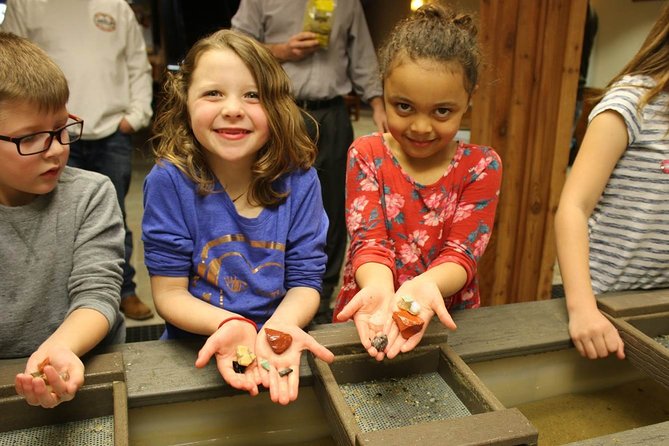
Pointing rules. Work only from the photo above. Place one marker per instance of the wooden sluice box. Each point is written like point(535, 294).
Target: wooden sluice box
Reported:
point(642, 319)
point(634, 303)
point(97, 416)
point(646, 339)
point(427, 396)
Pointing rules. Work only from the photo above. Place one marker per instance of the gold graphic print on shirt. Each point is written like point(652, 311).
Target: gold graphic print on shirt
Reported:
point(210, 268)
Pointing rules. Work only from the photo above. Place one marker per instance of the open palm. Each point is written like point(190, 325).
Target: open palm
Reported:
point(370, 311)
point(223, 344)
point(431, 302)
point(284, 389)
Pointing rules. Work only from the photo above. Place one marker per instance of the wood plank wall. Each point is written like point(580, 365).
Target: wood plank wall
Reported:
point(524, 108)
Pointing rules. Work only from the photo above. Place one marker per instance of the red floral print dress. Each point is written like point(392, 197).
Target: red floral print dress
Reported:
point(410, 227)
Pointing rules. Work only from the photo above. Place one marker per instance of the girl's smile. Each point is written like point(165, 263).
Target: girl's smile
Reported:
point(420, 143)
point(233, 134)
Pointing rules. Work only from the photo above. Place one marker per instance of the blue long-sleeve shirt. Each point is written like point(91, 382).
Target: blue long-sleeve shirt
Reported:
point(244, 265)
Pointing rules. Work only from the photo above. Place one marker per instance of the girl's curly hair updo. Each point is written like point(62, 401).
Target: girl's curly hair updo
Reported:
point(436, 33)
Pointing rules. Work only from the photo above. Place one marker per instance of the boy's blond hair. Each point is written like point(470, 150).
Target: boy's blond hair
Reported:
point(28, 75)
point(288, 148)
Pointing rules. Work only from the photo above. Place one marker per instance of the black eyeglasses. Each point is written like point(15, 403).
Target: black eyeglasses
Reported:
point(41, 141)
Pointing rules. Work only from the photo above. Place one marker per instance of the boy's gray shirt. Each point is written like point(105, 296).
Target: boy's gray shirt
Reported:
point(61, 252)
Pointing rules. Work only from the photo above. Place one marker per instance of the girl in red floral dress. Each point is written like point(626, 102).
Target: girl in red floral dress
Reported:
point(420, 204)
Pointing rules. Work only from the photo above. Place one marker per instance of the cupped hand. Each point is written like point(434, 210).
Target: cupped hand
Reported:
point(223, 344)
point(64, 373)
point(284, 389)
point(370, 310)
point(431, 302)
point(594, 335)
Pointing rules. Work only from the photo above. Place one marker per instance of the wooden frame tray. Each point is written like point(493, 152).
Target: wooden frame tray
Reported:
point(634, 303)
point(103, 395)
point(647, 354)
point(344, 390)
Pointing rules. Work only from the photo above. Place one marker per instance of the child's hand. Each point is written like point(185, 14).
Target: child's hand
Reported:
point(370, 310)
point(63, 371)
point(594, 335)
point(284, 389)
point(429, 297)
point(223, 343)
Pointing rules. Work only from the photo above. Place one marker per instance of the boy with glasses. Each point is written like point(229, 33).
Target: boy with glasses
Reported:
point(62, 233)
point(99, 46)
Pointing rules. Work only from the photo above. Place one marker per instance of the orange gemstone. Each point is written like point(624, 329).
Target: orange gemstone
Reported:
point(408, 323)
point(278, 340)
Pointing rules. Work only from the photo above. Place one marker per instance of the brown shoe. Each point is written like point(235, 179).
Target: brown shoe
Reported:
point(134, 308)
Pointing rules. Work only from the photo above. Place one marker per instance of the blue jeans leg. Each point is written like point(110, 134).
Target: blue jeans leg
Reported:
point(111, 156)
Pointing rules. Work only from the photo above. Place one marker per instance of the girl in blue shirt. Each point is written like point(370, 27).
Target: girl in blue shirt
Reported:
point(234, 228)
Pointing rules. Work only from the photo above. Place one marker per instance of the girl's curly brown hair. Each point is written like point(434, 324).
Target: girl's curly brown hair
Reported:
point(288, 148)
point(437, 33)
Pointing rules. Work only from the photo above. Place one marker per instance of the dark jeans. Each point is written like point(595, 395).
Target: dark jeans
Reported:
point(335, 137)
point(111, 156)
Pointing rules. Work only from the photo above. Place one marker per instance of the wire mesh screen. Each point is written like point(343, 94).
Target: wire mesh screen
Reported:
point(662, 339)
point(90, 432)
point(398, 402)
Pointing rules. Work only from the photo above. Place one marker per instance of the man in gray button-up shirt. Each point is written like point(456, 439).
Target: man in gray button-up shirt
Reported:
point(321, 77)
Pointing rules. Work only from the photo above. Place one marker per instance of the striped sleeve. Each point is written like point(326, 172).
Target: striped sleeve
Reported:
point(629, 227)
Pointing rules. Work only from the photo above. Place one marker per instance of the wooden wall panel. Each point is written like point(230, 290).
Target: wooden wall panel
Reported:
point(524, 109)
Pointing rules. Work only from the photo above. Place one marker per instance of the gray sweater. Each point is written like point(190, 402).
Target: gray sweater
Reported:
point(61, 252)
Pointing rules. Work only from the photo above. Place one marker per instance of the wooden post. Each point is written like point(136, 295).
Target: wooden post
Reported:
point(524, 108)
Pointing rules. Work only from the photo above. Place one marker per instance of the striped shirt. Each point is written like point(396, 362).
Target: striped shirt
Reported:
point(629, 227)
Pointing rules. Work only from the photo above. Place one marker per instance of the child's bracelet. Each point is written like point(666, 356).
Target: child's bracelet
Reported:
point(238, 318)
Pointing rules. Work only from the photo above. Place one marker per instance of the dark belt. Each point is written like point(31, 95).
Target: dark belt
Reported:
point(316, 104)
